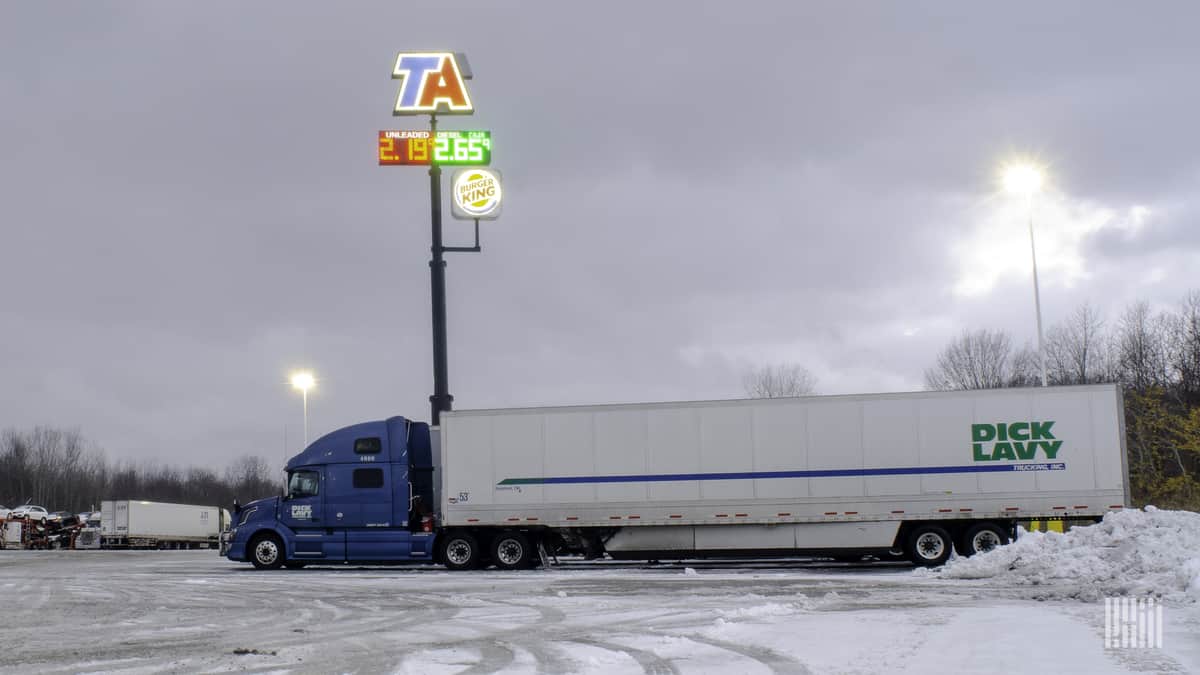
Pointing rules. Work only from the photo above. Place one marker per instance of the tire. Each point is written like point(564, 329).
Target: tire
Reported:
point(266, 552)
point(511, 551)
point(928, 546)
point(981, 538)
point(460, 551)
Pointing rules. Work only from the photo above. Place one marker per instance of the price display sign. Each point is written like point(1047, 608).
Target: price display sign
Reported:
point(448, 148)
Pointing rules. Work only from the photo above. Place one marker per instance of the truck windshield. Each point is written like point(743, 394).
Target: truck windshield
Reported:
point(302, 484)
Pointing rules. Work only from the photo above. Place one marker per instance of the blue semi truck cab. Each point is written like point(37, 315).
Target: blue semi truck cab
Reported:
point(363, 493)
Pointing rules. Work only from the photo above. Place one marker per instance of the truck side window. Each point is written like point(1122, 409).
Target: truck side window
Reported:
point(368, 446)
point(368, 478)
point(303, 484)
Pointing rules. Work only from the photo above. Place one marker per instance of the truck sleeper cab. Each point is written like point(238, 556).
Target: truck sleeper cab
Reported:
point(358, 494)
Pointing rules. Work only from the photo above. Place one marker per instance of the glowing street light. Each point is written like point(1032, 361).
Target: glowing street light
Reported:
point(1026, 179)
point(304, 380)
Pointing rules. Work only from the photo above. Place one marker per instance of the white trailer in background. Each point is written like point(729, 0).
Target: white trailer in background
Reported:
point(142, 524)
point(910, 474)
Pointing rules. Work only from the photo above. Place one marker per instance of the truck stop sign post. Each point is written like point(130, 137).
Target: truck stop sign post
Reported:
point(434, 83)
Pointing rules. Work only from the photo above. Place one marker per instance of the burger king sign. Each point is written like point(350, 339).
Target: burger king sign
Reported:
point(476, 194)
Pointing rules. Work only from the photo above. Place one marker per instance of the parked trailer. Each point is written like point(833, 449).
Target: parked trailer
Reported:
point(141, 524)
point(913, 475)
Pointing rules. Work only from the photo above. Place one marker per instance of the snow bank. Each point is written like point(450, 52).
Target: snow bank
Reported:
point(1148, 552)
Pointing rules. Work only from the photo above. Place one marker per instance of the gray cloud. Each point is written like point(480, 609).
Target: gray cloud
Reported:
point(191, 205)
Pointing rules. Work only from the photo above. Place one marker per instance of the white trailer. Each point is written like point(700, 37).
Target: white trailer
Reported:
point(141, 524)
point(910, 474)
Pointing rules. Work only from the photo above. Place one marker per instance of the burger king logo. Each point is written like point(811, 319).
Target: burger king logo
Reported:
point(477, 194)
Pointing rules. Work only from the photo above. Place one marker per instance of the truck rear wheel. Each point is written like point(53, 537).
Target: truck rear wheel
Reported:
point(460, 551)
point(266, 552)
point(981, 538)
point(929, 546)
point(511, 551)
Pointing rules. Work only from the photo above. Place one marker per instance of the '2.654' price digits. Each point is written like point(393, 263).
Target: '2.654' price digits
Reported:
point(471, 148)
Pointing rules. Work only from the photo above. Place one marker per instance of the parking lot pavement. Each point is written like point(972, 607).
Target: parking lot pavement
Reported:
point(188, 611)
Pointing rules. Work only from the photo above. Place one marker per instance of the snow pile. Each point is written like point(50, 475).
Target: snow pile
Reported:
point(1148, 552)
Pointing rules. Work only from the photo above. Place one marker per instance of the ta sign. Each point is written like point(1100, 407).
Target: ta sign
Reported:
point(432, 82)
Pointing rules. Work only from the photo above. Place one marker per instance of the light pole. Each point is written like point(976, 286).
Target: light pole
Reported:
point(304, 381)
point(1025, 179)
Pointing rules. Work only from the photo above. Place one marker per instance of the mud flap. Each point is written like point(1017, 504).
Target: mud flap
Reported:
point(545, 559)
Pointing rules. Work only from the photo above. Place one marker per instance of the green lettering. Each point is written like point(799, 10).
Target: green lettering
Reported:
point(1003, 451)
point(1002, 432)
point(1025, 450)
point(1051, 448)
point(982, 433)
point(979, 456)
point(1041, 431)
point(1019, 431)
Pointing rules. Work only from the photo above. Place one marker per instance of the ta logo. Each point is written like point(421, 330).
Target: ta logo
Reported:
point(432, 82)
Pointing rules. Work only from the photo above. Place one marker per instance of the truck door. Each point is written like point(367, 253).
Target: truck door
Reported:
point(366, 508)
point(302, 511)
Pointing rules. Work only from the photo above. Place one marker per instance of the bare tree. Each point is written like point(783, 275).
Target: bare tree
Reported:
point(1077, 350)
point(250, 478)
point(1185, 349)
point(1140, 344)
point(779, 381)
point(1025, 369)
point(981, 359)
point(58, 469)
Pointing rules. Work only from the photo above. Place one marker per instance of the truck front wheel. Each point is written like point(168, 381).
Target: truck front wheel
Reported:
point(511, 551)
point(929, 546)
point(266, 552)
point(460, 551)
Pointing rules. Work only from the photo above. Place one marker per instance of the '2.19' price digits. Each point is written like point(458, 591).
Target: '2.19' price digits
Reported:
point(471, 148)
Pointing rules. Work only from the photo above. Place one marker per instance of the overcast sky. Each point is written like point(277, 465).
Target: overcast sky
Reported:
point(190, 204)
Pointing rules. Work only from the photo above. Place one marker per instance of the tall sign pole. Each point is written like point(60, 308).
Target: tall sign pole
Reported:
point(441, 398)
point(434, 83)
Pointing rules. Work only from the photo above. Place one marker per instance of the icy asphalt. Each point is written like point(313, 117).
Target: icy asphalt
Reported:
point(191, 611)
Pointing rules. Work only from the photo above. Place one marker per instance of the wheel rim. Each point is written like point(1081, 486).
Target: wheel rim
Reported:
point(930, 546)
point(458, 552)
point(266, 552)
point(509, 552)
point(985, 541)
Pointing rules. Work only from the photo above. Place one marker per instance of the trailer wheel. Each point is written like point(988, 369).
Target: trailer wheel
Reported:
point(460, 551)
point(511, 551)
point(981, 538)
point(929, 546)
point(266, 552)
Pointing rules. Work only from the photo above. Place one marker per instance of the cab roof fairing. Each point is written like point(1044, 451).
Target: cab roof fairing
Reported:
point(337, 447)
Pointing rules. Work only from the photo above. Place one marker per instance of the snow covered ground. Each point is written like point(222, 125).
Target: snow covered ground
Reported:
point(145, 612)
point(1136, 553)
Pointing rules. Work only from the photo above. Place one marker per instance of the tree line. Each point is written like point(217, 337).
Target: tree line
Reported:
point(60, 470)
point(1155, 356)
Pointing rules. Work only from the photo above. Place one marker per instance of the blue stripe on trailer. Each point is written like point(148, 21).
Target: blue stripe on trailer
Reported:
point(815, 473)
